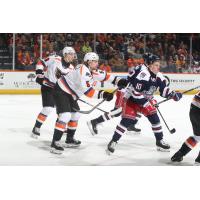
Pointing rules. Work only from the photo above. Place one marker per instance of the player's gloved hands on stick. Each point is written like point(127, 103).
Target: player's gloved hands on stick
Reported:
point(153, 102)
point(176, 96)
point(108, 96)
point(122, 83)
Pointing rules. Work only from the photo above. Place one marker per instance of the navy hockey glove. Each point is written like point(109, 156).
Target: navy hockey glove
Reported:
point(122, 83)
point(108, 96)
point(176, 96)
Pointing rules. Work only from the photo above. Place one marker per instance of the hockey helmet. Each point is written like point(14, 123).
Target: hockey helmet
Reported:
point(68, 50)
point(150, 58)
point(91, 56)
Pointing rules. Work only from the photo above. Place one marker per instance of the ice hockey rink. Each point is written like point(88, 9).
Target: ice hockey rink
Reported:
point(18, 114)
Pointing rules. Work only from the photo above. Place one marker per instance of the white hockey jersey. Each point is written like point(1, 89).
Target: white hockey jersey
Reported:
point(82, 81)
point(50, 66)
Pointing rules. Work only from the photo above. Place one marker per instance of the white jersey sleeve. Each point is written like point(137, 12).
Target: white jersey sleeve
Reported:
point(78, 82)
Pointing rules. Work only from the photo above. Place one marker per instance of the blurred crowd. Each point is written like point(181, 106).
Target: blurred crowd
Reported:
point(116, 51)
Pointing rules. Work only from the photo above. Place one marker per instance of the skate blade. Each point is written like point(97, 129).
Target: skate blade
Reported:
point(90, 128)
point(133, 132)
point(71, 145)
point(108, 152)
point(34, 136)
point(55, 151)
point(163, 150)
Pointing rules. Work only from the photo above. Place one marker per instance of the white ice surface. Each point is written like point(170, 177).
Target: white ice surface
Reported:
point(18, 114)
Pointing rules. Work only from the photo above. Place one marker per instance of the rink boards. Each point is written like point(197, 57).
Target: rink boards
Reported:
point(17, 82)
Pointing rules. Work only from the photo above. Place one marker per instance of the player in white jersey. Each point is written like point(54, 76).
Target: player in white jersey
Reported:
point(116, 112)
point(191, 141)
point(48, 71)
point(70, 88)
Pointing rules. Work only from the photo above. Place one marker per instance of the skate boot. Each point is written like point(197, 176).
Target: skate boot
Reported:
point(92, 125)
point(197, 160)
point(35, 132)
point(111, 147)
point(177, 157)
point(56, 147)
point(71, 143)
point(162, 146)
point(132, 129)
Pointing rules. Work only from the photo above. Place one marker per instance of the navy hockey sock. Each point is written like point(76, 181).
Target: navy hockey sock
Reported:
point(116, 137)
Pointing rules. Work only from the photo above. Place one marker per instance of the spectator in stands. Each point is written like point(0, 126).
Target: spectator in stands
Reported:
point(180, 63)
point(86, 48)
point(131, 49)
point(170, 67)
point(105, 66)
point(117, 63)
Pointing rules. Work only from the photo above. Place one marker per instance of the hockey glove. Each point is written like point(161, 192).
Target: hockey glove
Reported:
point(108, 96)
point(176, 96)
point(39, 80)
point(122, 83)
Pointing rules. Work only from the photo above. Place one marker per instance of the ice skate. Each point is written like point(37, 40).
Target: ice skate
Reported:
point(177, 157)
point(133, 130)
point(92, 127)
point(111, 147)
point(162, 146)
point(72, 143)
point(35, 133)
point(197, 161)
point(56, 147)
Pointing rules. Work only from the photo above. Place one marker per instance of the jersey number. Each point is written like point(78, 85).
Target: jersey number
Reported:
point(138, 86)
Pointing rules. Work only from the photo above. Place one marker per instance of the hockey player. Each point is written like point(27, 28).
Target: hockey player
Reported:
point(48, 71)
point(70, 88)
point(139, 98)
point(117, 111)
point(191, 141)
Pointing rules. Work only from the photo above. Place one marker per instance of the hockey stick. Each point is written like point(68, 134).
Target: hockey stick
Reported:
point(92, 105)
point(172, 130)
point(182, 93)
point(96, 106)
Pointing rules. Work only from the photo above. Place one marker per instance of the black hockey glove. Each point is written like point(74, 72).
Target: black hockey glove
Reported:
point(39, 80)
point(122, 83)
point(108, 96)
point(58, 73)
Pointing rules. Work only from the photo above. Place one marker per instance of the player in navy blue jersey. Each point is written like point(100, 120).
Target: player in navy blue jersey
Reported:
point(143, 83)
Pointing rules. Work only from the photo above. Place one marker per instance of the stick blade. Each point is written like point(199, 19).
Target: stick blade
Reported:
point(173, 131)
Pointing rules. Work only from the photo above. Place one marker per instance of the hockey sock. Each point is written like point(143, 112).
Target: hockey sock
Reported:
point(40, 120)
point(188, 145)
point(58, 131)
point(116, 137)
point(156, 126)
point(70, 134)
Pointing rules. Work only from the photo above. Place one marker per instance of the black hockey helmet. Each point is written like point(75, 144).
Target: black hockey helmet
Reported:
point(150, 58)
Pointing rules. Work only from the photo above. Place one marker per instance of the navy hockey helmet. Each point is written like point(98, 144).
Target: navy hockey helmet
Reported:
point(150, 58)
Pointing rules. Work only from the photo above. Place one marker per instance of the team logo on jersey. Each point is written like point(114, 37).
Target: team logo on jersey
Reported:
point(142, 75)
point(153, 79)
